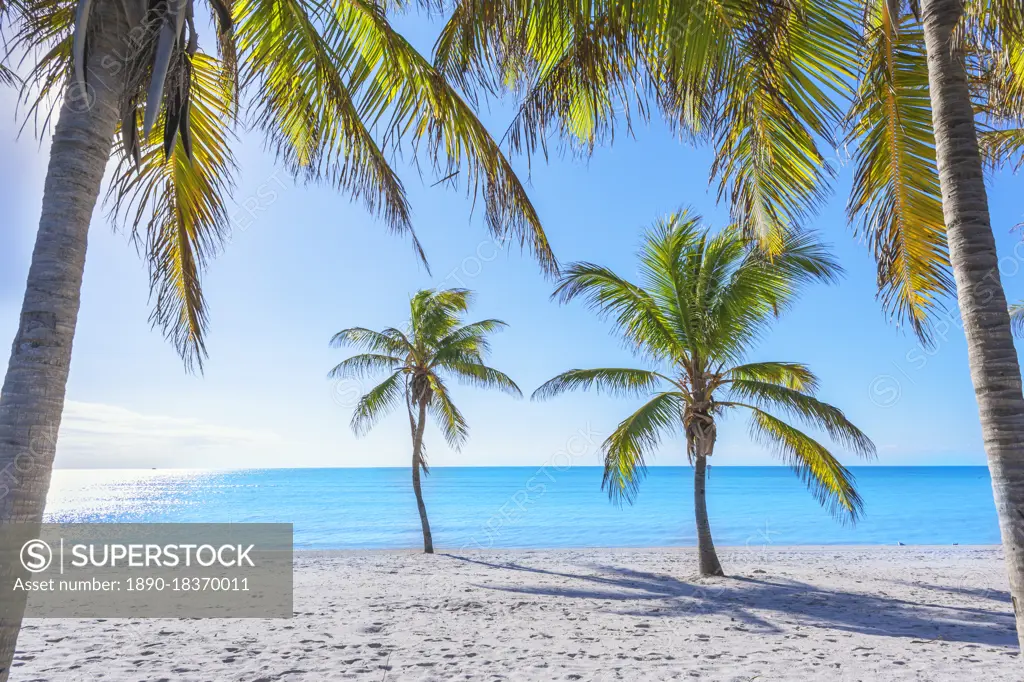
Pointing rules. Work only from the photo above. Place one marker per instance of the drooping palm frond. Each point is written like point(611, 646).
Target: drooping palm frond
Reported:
point(895, 196)
point(42, 34)
point(613, 381)
point(830, 482)
point(447, 416)
point(791, 62)
point(400, 89)
point(336, 90)
point(1003, 147)
point(177, 205)
point(625, 450)
point(308, 107)
point(807, 408)
point(378, 402)
point(759, 80)
point(480, 375)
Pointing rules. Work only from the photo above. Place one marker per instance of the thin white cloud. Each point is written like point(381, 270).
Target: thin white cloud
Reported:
point(100, 435)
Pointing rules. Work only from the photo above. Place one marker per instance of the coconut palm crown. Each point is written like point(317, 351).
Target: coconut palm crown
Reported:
point(436, 347)
point(702, 303)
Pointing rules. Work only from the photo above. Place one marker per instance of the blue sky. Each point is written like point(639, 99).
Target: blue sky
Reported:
point(304, 262)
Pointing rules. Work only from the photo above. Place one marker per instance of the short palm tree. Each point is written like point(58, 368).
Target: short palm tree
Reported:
point(702, 302)
point(437, 346)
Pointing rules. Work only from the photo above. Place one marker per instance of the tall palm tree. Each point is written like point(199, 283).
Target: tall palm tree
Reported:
point(436, 346)
point(337, 93)
point(702, 302)
point(761, 81)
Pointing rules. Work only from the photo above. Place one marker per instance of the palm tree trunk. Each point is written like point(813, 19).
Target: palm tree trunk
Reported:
point(709, 564)
point(995, 371)
point(417, 462)
point(32, 398)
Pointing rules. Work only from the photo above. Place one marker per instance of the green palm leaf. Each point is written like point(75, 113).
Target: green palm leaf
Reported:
point(364, 365)
point(378, 402)
point(616, 382)
point(625, 450)
point(390, 341)
point(480, 375)
point(448, 417)
point(811, 410)
point(830, 482)
point(178, 207)
point(789, 374)
point(895, 195)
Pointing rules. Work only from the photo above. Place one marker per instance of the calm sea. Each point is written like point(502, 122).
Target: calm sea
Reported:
point(538, 506)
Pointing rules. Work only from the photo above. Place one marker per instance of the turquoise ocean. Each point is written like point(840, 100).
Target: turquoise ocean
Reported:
point(538, 507)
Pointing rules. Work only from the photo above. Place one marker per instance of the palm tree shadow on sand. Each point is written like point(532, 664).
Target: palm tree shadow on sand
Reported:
point(752, 603)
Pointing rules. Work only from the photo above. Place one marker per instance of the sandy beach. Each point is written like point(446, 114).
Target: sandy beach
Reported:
point(805, 613)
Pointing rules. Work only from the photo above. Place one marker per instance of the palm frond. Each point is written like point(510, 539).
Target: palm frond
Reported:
point(390, 341)
point(616, 382)
point(807, 408)
point(634, 312)
point(830, 482)
point(895, 196)
point(627, 447)
point(448, 417)
point(42, 33)
point(435, 313)
point(792, 375)
point(291, 54)
point(1003, 147)
point(472, 336)
point(377, 403)
point(364, 365)
point(790, 63)
point(177, 208)
point(401, 90)
point(480, 375)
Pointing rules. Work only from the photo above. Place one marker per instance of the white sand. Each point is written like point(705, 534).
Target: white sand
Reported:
point(876, 613)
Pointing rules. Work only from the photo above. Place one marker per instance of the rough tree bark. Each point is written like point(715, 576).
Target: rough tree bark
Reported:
point(417, 462)
point(33, 391)
point(995, 371)
point(709, 564)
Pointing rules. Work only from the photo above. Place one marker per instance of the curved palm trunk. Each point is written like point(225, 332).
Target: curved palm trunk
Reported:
point(995, 371)
point(33, 391)
point(417, 462)
point(709, 564)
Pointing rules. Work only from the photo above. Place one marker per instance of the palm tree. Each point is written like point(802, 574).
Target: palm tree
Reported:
point(436, 346)
point(702, 302)
point(337, 93)
point(761, 81)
